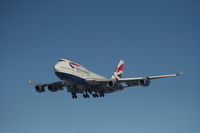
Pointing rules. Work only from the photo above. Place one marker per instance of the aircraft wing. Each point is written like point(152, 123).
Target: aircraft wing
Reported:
point(54, 86)
point(130, 81)
point(61, 83)
point(96, 81)
point(136, 81)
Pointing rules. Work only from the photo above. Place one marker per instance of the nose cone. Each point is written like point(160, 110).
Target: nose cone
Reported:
point(56, 68)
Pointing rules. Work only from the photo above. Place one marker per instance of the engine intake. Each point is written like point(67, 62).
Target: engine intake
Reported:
point(111, 84)
point(144, 82)
point(39, 88)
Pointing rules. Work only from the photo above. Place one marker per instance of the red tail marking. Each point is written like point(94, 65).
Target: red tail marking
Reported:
point(119, 68)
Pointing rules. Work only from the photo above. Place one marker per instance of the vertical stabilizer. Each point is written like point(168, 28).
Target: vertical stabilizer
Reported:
point(118, 71)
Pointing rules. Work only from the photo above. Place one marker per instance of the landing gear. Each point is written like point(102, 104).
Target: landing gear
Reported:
point(90, 92)
point(95, 95)
point(101, 94)
point(85, 95)
point(74, 96)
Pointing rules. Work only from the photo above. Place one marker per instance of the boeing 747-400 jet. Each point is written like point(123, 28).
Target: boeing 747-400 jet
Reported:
point(78, 79)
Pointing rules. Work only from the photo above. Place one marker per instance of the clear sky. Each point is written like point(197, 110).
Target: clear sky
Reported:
point(153, 37)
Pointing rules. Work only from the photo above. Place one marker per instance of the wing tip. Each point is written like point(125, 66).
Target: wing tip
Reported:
point(180, 73)
point(30, 82)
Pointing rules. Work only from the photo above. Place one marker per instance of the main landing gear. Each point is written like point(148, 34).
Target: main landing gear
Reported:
point(86, 95)
point(95, 95)
point(74, 95)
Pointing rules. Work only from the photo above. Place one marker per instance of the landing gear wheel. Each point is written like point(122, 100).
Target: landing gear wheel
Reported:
point(86, 95)
point(93, 95)
point(90, 92)
point(74, 95)
point(101, 94)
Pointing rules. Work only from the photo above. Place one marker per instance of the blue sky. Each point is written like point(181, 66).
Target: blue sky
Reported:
point(153, 37)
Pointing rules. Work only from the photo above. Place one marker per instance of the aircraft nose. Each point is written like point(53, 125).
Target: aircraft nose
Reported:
point(56, 68)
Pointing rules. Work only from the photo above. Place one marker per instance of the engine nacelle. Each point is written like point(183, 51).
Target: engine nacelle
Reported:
point(52, 88)
point(144, 82)
point(39, 88)
point(110, 84)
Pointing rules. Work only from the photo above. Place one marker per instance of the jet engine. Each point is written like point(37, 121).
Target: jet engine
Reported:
point(144, 82)
point(110, 84)
point(55, 87)
point(39, 88)
point(52, 88)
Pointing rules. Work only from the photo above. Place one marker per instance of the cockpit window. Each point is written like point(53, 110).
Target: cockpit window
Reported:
point(61, 60)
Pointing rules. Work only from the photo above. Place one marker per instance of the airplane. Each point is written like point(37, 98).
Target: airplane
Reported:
point(77, 79)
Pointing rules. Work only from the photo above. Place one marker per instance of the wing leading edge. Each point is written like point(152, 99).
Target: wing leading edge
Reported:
point(143, 81)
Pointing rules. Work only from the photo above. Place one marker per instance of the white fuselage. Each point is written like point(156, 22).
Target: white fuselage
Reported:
point(77, 77)
point(68, 70)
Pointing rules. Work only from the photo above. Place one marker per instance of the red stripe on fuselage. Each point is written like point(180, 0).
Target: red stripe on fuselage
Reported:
point(72, 63)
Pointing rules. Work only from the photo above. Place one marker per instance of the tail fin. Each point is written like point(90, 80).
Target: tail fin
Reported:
point(118, 71)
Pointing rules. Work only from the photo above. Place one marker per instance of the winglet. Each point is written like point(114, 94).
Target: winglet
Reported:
point(179, 74)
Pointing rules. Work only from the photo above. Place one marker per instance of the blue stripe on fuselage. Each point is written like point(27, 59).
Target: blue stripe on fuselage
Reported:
point(66, 76)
